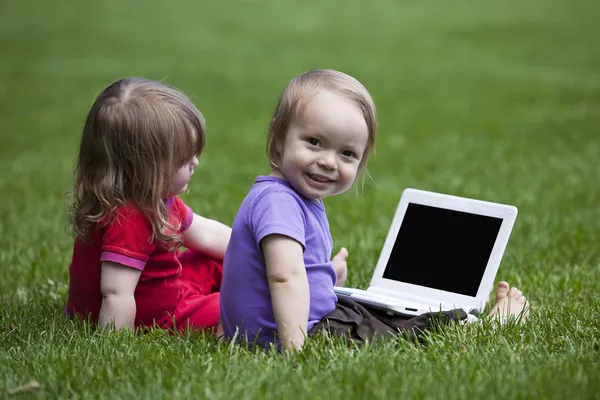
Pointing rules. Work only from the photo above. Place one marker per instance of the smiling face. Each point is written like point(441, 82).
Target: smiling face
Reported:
point(323, 146)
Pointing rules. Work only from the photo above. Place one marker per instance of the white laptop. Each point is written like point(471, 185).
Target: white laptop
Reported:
point(441, 253)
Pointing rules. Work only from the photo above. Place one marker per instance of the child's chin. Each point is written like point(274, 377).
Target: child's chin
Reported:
point(180, 191)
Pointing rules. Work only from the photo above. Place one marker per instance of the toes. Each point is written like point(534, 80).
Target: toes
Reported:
point(502, 290)
point(513, 292)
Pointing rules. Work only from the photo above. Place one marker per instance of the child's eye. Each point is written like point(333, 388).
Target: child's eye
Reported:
point(349, 153)
point(313, 141)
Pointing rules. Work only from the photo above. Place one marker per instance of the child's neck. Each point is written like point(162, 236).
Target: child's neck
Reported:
point(277, 174)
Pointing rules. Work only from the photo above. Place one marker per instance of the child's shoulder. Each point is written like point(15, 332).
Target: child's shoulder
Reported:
point(273, 189)
point(272, 184)
point(273, 206)
point(275, 198)
point(128, 214)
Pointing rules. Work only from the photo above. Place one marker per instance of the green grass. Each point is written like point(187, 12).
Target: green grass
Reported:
point(493, 100)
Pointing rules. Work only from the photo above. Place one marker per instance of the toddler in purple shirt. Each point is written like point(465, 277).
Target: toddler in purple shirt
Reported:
point(278, 275)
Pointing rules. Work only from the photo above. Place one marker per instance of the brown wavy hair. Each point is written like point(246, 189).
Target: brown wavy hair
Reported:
point(137, 134)
point(298, 94)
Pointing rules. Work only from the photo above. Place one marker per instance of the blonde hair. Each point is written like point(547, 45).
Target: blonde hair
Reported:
point(137, 134)
point(298, 94)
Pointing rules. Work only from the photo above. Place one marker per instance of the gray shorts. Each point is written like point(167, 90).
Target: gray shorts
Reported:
point(359, 324)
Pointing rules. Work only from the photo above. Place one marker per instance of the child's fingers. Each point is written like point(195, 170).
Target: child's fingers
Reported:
point(343, 254)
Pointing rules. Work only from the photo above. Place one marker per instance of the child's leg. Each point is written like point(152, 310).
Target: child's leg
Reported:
point(195, 310)
point(198, 305)
point(205, 272)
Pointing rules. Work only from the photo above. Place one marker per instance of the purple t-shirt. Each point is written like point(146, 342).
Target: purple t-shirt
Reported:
point(273, 207)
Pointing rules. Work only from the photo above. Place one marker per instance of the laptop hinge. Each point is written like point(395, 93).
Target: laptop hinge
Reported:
point(416, 299)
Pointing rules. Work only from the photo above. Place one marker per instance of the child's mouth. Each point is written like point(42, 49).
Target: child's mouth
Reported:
point(319, 178)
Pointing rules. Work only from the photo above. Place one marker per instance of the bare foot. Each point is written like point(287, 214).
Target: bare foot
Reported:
point(510, 302)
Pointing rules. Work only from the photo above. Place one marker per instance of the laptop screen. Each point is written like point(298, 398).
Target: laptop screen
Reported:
point(442, 249)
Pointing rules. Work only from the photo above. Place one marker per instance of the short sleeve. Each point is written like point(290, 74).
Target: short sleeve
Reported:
point(278, 212)
point(185, 213)
point(126, 240)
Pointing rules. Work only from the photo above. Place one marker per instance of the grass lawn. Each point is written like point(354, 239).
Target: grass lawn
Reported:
point(494, 100)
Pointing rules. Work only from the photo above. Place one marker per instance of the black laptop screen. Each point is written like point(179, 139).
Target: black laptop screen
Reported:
point(442, 249)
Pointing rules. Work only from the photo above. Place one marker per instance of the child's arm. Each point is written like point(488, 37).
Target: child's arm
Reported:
point(117, 284)
point(207, 236)
point(288, 283)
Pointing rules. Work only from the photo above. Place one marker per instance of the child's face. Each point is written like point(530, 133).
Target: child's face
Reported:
point(180, 180)
point(324, 145)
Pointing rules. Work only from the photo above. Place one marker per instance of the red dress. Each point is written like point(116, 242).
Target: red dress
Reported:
point(175, 289)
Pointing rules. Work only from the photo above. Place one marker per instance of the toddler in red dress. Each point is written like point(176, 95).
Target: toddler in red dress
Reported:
point(139, 148)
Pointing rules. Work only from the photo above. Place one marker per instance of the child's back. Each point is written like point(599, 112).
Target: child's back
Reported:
point(273, 207)
point(125, 241)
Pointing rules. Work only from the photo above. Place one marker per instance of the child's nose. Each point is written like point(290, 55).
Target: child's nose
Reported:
point(327, 160)
point(194, 162)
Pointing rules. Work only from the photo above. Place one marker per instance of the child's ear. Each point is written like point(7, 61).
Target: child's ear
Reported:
point(279, 149)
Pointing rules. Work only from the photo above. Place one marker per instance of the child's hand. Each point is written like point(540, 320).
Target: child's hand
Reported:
point(341, 266)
